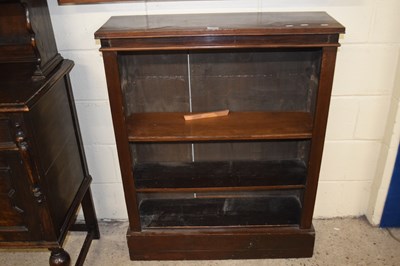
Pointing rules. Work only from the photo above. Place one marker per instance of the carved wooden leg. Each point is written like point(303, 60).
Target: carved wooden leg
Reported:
point(59, 257)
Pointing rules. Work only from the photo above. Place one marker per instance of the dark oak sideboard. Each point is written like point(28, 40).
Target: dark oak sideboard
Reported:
point(236, 186)
point(43, 172)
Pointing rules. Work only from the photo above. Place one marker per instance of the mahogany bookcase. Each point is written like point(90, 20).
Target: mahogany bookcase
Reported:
point(237, 186)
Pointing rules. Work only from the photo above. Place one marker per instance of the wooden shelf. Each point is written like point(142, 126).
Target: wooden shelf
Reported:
point(211, 176)
point(262, 210)
point(159, 127)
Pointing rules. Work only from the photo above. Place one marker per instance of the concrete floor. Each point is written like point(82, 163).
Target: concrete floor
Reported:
point(339, 242)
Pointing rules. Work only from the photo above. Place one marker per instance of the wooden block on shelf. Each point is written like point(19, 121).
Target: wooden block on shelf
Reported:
point(206, 115)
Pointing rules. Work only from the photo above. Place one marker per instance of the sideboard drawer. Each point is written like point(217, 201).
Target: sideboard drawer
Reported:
point(17, 211)
point(10, 212)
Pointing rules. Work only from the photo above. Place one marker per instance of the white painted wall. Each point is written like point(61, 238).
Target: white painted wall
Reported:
point(362, 94)
point(387, 156)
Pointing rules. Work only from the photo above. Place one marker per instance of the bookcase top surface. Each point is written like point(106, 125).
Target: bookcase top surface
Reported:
point(271, 23)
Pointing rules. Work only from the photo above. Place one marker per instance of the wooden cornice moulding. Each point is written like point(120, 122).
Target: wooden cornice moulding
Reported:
point(26, 36)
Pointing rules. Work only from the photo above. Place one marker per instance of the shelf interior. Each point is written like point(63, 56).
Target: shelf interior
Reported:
point(244, 169)
point(255, 209)
point(228, 174)
point(244, 80)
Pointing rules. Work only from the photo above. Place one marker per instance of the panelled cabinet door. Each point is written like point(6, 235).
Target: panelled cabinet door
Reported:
point(16, 201)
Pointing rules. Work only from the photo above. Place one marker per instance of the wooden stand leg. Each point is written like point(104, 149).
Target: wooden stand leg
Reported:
point(91, 226)
point(90, 214)
point(59, 257)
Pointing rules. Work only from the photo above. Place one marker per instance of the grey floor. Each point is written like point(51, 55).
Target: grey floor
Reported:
point(339, 242)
